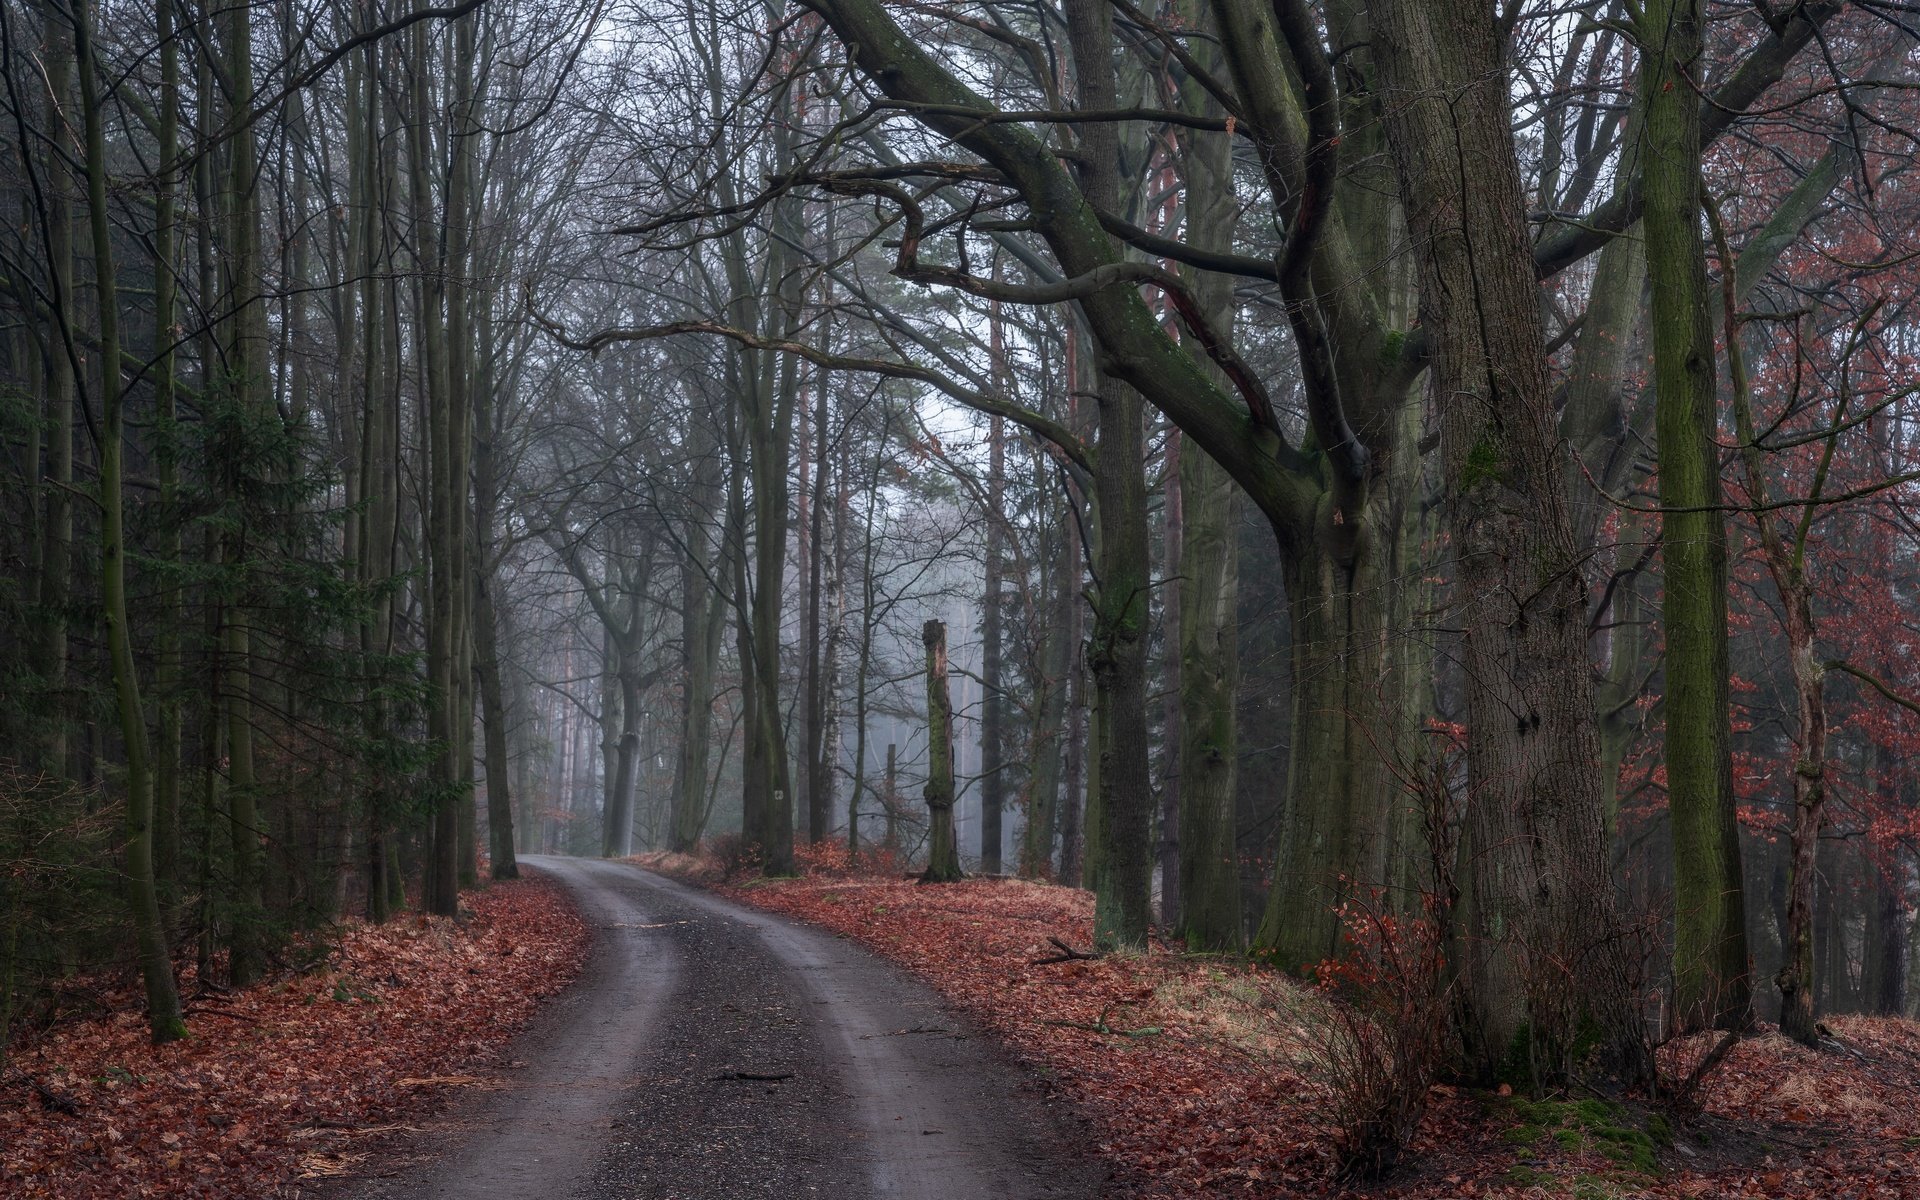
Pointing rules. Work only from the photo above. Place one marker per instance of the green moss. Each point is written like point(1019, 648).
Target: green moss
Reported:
point(1660, 1129)
point(1627, 1146)
point(1529, 1177)
point(1484, 462)
point(1516, 1065)
point(1609, 1128)
point(1612, 1185)
point(1589, 1035)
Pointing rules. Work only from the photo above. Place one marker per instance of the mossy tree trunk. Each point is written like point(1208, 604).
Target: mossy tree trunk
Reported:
point(1784, 547)
point(1711, 985)
point(1206, 635)
point(247, 358)
point(56, 531)
point(993, 704)
point(1049, 736)
point(1546, 960)
point(943, 852)
point(1120, 826)
point(702, 621)
point(170, 661)
point(164, 1022)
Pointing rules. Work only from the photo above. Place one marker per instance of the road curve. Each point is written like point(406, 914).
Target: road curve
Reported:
point(713, 1052)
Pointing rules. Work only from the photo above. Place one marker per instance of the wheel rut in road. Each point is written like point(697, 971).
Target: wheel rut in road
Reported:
point(710, 1051)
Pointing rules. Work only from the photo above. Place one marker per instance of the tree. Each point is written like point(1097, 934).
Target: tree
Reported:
point(156, 964)
point(1546, 958)
point(943, 854)
point(1710, 939)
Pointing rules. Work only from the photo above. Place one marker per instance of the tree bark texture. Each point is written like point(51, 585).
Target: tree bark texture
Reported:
point(1544, 953)
point(943, 853)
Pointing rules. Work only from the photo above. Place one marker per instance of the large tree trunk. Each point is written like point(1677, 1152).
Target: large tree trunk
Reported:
point(943, 852)
point(863, 663)
point(1345, 719)
point(495, 715)
point(617, 833)
point(812, 530)
point(1351, 539)
point(1049, 733)
point(1120, 821)
point(494, 711)
point(56, 540)
point(1210, 917)
point(1076, 731)
point(247, 362)
point(1076, 734)
point(164, 1022)
point(1207, 631)
point(170, 661)
point(1544, 956)
point(373, 530)
point(702, 622)
point(1172, 652)
point(1787, 564)
point(767, 762)
point(440, 253)
point(993, 704)
point(1711, 985)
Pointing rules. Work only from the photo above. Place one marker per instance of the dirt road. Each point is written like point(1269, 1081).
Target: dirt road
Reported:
point(710, 1051)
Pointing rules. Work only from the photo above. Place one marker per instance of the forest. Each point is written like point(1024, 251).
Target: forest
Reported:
point(1419, 497)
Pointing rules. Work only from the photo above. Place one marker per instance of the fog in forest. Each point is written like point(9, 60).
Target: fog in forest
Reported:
point(1407, 497)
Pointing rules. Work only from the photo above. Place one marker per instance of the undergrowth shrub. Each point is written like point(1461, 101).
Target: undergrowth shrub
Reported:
point(829, 858)
point(61, 910)
point(1384, 1029)
point(882, 860)
point(734, 855)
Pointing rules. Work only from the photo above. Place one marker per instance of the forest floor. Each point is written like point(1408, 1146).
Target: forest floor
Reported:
point(713, 1051)
point(287, 1080)
point(1202, 1076)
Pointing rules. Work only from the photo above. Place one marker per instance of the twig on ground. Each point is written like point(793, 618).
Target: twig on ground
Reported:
point(50, 1099)
point(1704, 1067)
point(1101, 1026)
point(1067, 954)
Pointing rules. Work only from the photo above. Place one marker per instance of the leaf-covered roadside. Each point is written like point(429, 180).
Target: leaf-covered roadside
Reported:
point(287, 1078)
point(1200, 1079)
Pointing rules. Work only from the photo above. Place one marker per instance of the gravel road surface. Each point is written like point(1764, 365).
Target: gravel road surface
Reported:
point(710, 1051)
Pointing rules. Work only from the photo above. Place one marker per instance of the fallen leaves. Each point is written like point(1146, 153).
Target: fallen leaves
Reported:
point(276, 1087)
point(1219, 1102)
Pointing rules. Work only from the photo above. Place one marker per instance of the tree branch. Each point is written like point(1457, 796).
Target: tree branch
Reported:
point(1056, 434)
